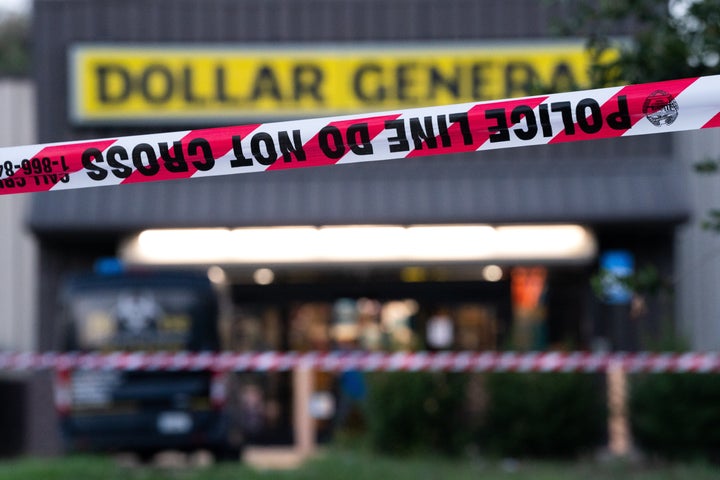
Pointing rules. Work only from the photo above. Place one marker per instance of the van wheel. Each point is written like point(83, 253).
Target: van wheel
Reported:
point(146, 456)
point(227, 453)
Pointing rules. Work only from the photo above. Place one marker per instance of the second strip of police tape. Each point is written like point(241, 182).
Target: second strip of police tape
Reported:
point(339, 361)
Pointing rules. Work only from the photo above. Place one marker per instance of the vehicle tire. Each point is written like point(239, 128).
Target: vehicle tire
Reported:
point(227, 453)
point(146, 456)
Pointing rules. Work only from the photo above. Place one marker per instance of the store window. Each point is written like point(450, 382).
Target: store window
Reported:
point(392, 325)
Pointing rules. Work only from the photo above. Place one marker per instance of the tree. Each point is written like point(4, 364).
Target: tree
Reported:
point(14, 44)
point(666, 39)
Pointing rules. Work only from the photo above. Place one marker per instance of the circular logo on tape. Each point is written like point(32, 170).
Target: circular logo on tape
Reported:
point(660, 108)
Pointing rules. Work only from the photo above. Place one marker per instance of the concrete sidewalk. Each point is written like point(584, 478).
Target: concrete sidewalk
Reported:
point(257, 457)
point(274, 458)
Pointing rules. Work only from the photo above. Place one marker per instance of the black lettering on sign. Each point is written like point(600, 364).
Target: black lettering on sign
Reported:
point(367, 83)
point(520, 79)
point(156, 84)
point(404, 81)
point(307, 80)
point(266, 85)
point(563, 79)
point(449, 83)
point(479, 79)
point(188, 81)
point(112, 74)
point(221, 94)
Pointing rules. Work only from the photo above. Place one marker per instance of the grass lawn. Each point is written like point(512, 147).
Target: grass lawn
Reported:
point(351, 465)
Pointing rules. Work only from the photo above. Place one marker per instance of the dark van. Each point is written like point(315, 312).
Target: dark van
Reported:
point(143, 411)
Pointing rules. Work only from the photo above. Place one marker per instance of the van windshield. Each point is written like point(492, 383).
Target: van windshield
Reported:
point(133, 318)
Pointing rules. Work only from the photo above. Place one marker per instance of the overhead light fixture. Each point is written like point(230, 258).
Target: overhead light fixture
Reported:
point(263, 276)
point(492, 273)
point(361, 244)
point(217, 275)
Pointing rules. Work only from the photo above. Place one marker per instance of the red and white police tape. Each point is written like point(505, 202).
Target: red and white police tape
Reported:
point(670, 106)
point(489, 361)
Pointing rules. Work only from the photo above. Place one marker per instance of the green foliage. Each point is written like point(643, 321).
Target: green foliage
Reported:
point(14, 45)
point(706, 166)
point(417, 412)
point(527, 415)
point(646, 280)
point(553, 415)
point(666, 339)
point(669, 39)
point(712, 219)
point(677, 415)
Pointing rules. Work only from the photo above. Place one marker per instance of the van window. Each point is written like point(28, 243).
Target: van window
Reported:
point(140, 313)
point(129, 319)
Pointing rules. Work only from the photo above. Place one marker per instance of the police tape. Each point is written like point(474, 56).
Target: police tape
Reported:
point(339, 361)
point(660, 107)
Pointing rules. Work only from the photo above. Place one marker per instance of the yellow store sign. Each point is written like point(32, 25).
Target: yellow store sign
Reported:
point(133, 84)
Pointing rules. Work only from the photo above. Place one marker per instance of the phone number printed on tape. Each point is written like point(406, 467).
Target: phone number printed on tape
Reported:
point(35, 171)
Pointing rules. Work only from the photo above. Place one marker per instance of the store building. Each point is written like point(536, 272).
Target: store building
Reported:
point(18, 255)
point(539, 220)
point(117, 68)
point(19, 252)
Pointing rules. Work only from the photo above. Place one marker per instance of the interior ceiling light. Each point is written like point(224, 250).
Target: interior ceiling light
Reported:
point(361, 244)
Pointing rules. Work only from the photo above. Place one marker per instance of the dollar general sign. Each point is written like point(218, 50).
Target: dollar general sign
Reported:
point(139, 83)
